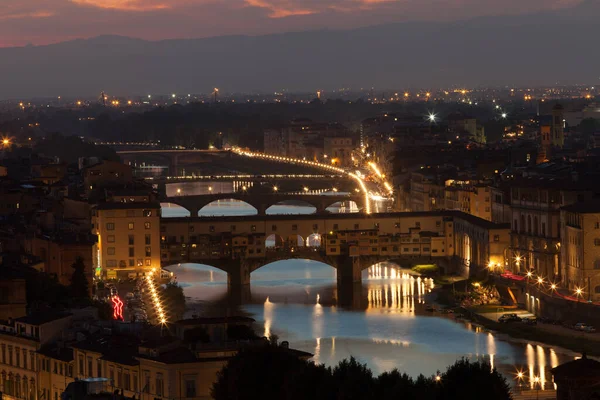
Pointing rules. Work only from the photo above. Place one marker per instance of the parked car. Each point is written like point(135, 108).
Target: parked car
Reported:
point(529, 320)
point(583, 327)
point(509, 318)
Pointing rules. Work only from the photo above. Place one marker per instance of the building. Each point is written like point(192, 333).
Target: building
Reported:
point(55, 370)
point(128, 237)
point(536, 221)
point(580, 255)
point(20, 339)
point(577, 380)
point(427, 193)
point(60, 251)
point(106, 173)
point(500, 203)
point(338, 150)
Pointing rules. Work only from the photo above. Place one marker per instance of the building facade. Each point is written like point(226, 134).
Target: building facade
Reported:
point(128, 238)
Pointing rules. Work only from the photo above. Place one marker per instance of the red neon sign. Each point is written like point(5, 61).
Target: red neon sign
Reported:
point(117, 308)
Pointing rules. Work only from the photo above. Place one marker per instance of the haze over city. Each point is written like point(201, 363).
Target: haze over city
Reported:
point(343, 44)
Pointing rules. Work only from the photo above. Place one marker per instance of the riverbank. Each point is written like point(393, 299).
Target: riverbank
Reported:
point(578, 342)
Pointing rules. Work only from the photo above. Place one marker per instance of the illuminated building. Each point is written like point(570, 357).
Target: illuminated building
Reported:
point(580, 248)
point(128, 238)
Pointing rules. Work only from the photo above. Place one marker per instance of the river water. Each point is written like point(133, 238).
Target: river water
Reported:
point(389, 328)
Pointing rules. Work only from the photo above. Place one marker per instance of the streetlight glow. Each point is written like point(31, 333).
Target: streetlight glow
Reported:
point(504, 115)
point(553, 286)
point(432, 117)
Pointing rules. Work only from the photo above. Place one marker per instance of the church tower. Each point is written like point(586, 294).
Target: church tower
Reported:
point(558, 131)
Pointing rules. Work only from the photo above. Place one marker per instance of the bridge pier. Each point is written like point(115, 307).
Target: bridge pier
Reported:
point(349, 281)
point(238, 281)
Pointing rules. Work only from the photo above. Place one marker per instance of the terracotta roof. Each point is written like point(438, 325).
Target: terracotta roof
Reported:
point(584, 367)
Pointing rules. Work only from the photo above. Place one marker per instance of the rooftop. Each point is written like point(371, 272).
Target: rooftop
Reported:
point(214, 320)
point(374, 218)
point(582, 368)
point(43, 318)
point(587, 207)
point(128, 206)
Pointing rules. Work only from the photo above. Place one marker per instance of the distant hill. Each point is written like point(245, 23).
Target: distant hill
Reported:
point(534, 49)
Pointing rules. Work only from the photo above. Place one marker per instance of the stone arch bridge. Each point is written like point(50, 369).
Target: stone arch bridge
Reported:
point(261, 201)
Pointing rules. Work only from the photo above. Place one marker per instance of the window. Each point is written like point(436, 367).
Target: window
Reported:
point(294, 227)
point(110, 238)
point(148, 239)
point(190, 388)
point(335, 227)
point(146, 388)
point(211, 228)
point(126, 380)
point(81, 372)
point(110, 251)
point(147, 213)
point(140, 262)
point(99, 369)
point(148, 251)
point(18, 356)
point(438, 224)
point(90, 367)
point(232, 228)
point(376, 225)
point(397, 225)
point(135, 382)
point(406, 249)
point(159, 384)
point(131, 240)
point(111, 263)
point(596, 242)
point(425, 248)
point(253, 228)
point(130, 226)
point(110, 226)
point(132, 252)
point(148, 262)
point(415, 249)
point(147, 225)
point(332, 249)
point(315, 227)
point(273, 228)
point(418, 224)
point(356, 226)
point(496, 238)
point(131, 262)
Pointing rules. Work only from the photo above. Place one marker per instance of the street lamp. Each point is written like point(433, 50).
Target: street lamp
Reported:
point(578, 292)
point(275, 188)
point(305, 189)
point(178, 191)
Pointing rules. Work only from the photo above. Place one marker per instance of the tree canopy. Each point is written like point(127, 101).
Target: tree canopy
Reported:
point(271, 372)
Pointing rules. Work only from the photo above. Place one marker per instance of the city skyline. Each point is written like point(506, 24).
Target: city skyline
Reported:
point(39, 23)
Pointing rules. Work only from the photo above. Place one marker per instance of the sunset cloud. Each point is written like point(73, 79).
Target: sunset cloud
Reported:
point(124, 5)
point(26, 15)
point(48, 21)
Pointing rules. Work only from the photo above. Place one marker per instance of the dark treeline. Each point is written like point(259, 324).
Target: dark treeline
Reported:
point(273, 373)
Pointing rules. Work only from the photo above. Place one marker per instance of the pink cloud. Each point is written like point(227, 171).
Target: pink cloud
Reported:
point(48, 21)
point(124, 5)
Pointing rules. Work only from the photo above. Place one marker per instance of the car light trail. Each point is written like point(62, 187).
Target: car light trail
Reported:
point(328, 167)
point(155, 299)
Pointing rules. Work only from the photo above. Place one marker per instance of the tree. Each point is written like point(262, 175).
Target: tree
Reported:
point(240, 332)
point(266, 373)
point(354, 381)
point(79, 284)
point(174, 300)
point(473, 381)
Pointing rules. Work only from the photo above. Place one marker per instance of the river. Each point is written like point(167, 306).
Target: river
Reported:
point(390, 328)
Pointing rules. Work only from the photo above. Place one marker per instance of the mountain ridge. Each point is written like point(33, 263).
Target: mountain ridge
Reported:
point(534, 49)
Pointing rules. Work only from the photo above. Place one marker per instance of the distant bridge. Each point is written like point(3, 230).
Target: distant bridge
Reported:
point(261, 201)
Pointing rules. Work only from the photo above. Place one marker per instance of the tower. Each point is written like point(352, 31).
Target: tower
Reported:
point(558, 131)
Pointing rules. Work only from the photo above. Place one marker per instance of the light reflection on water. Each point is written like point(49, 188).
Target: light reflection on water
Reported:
point(295, 299)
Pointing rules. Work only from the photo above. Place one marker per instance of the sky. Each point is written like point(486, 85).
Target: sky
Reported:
point(40, 22)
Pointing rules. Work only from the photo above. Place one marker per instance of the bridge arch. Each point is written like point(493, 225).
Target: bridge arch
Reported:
point(227, 206)
point(173, 210)
point(285, 206)
point(344, 206)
